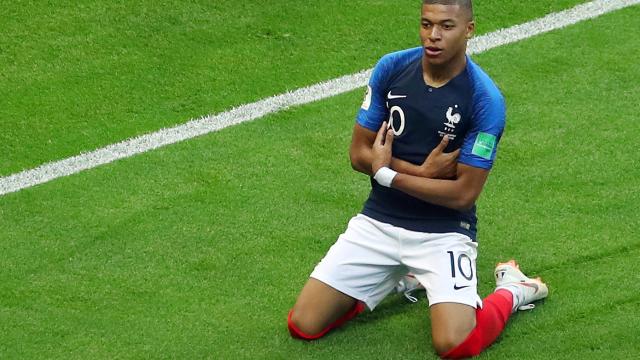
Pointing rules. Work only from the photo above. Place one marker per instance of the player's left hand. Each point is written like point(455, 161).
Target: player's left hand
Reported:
point(439, 164)
point(382, 148)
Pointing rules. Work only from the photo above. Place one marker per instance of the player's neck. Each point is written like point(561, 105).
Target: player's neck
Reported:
point(439, 75)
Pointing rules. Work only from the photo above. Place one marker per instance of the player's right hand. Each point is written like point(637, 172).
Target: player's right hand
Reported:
point(382, 148)
point(439, 164)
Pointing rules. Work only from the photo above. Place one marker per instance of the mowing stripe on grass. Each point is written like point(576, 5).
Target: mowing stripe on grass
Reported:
point(211, 123)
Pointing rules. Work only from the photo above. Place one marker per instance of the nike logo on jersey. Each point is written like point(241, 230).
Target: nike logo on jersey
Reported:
point(456, 287)
point(391, 96)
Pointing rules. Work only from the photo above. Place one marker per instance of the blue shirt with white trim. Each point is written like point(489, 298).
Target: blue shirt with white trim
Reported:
point(469, 109)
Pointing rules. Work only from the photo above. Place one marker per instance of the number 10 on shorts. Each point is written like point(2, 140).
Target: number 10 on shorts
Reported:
point(462, 265)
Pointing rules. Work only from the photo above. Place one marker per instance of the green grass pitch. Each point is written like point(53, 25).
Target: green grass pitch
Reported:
point(199, 249)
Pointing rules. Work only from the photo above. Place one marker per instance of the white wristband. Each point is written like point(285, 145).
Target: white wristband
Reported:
point(384, 176)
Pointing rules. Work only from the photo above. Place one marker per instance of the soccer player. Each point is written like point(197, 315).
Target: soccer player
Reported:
point(427, 134)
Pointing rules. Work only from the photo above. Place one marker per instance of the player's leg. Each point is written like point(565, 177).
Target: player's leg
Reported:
point(514, 291)
point(462, 325)
point(451, 323)
point(460, 331)
point(319, 309)
point(360, 269)
point(445, 264)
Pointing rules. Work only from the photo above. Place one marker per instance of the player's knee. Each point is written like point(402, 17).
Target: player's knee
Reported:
point(443, 342)
point(443, 347)
point(302, 326)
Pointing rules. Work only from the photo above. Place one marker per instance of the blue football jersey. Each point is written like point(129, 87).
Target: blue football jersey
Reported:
point(469, 109)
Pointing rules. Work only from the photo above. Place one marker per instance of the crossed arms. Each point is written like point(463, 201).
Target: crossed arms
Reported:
point(438, 180)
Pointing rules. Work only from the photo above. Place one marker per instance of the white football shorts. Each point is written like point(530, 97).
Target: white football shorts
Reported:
point(369, 259)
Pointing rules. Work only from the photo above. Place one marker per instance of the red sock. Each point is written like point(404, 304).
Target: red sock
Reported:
point(490, 320)
point(297, 333)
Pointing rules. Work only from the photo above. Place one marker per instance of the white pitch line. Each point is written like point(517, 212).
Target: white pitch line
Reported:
point(248, 112)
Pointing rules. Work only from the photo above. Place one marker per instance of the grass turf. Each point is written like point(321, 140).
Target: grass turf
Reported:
point(199, 249)
point(80, 76)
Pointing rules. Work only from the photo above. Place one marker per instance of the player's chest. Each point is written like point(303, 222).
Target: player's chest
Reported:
point(418, 112)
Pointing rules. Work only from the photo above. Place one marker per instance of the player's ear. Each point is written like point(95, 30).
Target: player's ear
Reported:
point(471, 28)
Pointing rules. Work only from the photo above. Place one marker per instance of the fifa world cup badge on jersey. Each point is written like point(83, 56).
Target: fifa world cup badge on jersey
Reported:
point(367, 99)
point(484, 145)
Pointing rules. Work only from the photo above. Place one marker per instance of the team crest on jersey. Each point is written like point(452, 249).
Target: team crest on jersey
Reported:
point(367, 99)
point(453, 118)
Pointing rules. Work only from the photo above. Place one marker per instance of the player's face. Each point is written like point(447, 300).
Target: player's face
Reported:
point(444, 31)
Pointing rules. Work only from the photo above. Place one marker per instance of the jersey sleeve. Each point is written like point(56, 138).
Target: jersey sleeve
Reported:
point(480, 144)
point(374, 108)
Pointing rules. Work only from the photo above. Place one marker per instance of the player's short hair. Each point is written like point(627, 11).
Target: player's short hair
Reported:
point(465, 4)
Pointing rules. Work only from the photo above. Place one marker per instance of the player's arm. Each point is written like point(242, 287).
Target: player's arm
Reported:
point(459, 193)
point(438, 164)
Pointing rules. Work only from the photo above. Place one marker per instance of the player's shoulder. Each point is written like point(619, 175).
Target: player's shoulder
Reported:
point(398, 60)
point(400, 56)
point(485, 89)
point(488, 104)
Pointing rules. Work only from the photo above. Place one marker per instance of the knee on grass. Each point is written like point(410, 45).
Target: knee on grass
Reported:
point(443, 342)
point(303, 327)
point(309, 326)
